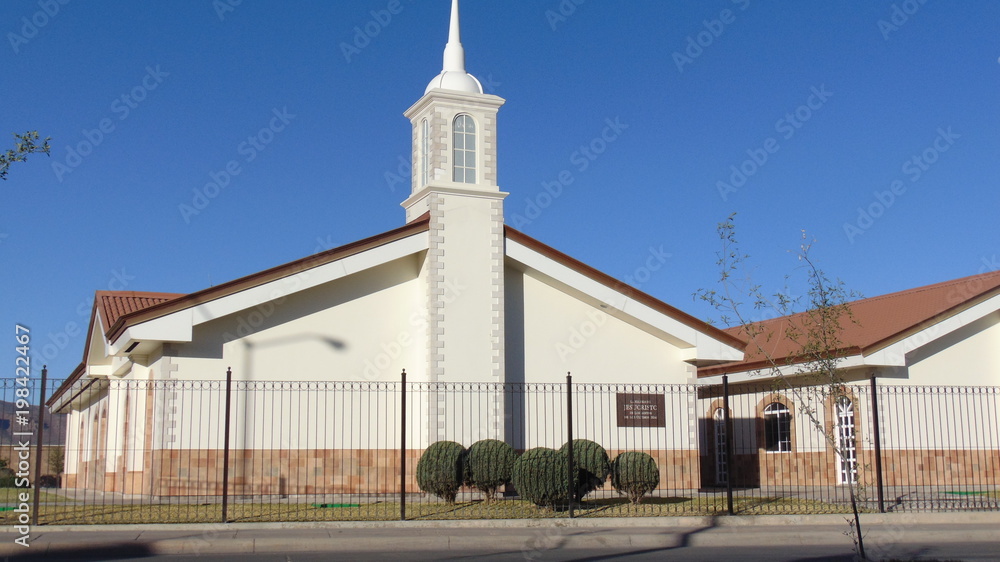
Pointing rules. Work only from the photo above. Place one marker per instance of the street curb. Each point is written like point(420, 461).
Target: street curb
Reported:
point(658, 522)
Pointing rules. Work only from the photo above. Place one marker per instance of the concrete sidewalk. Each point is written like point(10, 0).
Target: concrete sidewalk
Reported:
point(53, 542)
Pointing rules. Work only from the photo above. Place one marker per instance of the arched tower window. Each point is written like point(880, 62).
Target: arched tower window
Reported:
point(464, 135)
point(777, 428)
point(425, 153)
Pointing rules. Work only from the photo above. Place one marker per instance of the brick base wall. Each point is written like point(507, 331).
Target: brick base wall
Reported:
point(256, 472)
point(940, 468)
point(899, 468)
point(294, 472)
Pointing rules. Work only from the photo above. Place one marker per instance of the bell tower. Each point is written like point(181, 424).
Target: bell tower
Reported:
point(455, 181)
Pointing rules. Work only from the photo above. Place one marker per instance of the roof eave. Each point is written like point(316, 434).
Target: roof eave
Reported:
point(253, 280)
point(625, 289)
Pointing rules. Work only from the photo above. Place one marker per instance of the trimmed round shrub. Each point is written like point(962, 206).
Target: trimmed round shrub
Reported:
point(439, 470)
point(594, 465)
point(634, 474)
point(540, 476)
point(489, 464)
point(7, 478)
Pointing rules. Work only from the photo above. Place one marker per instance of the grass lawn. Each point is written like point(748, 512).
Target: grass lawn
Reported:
point(63, 514)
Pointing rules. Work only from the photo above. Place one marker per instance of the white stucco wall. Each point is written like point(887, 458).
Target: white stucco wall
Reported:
point(550, 333)
point(365, 327)
point(969, 356)
point(467, 288)
point(563, 334)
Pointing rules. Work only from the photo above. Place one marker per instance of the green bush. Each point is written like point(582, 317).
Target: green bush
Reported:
point(540, 476)
point(634, 474)
point(439, 470)
point(594, 465)
point(7, 477)
point(488, 465)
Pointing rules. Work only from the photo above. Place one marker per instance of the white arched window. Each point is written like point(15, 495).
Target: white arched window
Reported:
point(777, 428)
point(847, 446)
point(425, 153)
point(464, 135)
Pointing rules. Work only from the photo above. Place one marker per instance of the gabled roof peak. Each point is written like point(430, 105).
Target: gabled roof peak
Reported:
point(453, 75)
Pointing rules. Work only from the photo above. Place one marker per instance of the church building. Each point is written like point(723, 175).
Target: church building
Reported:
point(309, 356)
point(451, 296)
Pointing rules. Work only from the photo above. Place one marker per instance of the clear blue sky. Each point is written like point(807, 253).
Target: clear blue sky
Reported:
point(838, 103)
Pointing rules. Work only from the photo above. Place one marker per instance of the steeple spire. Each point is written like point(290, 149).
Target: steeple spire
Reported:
point(454, 53)
point(453, 75)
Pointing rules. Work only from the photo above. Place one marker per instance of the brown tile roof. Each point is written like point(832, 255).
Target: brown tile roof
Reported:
point(111, 305)
point(631, 292)
point(115, 304)
point(877, 322)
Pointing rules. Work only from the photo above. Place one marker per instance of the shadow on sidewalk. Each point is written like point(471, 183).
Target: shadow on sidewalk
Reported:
point(87, 554)
point(555, 539)
point(684, 541)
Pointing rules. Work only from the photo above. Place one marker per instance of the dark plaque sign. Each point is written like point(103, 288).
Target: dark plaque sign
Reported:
point(641, 410)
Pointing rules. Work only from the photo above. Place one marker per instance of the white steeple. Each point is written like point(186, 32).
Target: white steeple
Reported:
point(454, 132)
point(453, 75)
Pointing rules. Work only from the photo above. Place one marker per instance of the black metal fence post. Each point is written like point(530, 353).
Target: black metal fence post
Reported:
point(878, 446)
point(38, 451)
point(402, 447)
point(728, 423)
point(225, 447)
point(569, 443)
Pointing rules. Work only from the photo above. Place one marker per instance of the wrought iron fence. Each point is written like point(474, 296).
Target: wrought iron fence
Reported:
point(234, 450)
